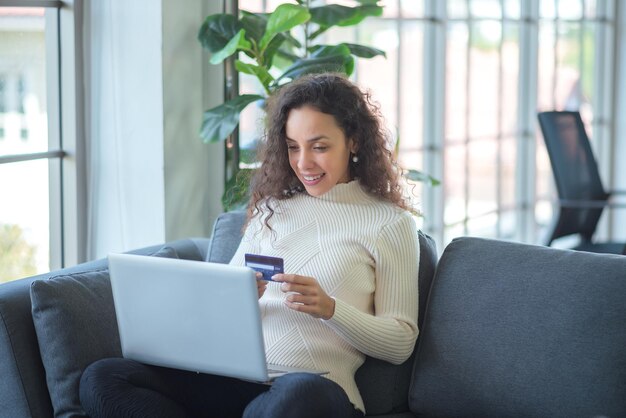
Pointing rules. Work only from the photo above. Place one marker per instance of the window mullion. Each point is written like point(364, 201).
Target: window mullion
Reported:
point(526, 115)
point(434, 116)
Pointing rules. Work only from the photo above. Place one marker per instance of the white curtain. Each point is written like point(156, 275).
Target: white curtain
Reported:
point(124, 125)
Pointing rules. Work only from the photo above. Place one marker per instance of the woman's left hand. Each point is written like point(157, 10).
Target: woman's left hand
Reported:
point(306, 295)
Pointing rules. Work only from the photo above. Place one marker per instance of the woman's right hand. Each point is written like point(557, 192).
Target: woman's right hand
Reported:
point(261, 285)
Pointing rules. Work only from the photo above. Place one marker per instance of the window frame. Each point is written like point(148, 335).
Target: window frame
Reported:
point(526, 200)
point(66, 139)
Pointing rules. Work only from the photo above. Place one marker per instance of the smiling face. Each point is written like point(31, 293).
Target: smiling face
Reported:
point(319, 153)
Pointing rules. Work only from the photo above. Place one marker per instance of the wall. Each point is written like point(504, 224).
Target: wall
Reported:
point(193, 170)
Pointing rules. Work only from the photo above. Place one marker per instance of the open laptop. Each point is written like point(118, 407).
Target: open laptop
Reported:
point(191, 315)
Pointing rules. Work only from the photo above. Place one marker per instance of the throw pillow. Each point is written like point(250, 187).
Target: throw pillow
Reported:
point(75, 323)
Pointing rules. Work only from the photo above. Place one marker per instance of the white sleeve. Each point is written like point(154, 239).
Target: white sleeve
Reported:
point(391, 332)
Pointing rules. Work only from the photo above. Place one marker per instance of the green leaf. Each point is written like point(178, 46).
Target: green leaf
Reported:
point(338, 15)
point(356, 50)
point(365, 51)
point(236, 43)
point(260, 73)
point(254, 24)
point(369, 2)
point(417, 175)
point(283, 19)
point(221, 121)
point(237, 190)
point(313, 65)
point(217, 30)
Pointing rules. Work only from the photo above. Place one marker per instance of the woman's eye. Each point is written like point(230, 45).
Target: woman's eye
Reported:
point(320, 148)
point(292, 148)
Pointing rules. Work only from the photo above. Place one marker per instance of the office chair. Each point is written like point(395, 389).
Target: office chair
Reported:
point(582, 198)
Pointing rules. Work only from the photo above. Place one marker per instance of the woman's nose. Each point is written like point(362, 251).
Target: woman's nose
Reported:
point(304, 160)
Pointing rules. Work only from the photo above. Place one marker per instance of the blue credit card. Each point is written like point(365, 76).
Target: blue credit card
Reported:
point(269, 266)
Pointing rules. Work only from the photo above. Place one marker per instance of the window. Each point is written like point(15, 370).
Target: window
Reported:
point(460, 88)
point(34, 140)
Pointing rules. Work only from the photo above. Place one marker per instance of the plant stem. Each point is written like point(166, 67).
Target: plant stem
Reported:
point(306, 32)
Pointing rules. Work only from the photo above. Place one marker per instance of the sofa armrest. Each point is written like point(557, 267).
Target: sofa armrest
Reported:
point(23, 390)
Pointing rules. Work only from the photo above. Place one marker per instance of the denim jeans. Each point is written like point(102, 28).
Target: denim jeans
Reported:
point(121, 388)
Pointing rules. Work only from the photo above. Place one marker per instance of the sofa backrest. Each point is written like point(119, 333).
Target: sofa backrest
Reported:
point(520, 330)
point(383, 386)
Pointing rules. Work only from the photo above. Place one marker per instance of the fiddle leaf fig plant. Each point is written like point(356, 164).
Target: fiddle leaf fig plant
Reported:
point(278, 47)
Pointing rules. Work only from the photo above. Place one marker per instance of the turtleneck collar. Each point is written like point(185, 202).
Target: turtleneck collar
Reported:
point(344, 193)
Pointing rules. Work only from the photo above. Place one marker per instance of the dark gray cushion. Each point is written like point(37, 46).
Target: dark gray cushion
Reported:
point(525, 331)
point(75, 323)
point(226, 236)
point(385, 386)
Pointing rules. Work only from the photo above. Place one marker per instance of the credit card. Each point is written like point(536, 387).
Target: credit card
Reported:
point(269, 266)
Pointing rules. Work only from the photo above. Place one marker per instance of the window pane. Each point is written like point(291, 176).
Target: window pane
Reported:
point(482, 177)
point(24, 219)
point(510, 79)
point(484, 77)
point(456, 82)
point(570, 9)
point(412, 91)
point(455, 180)
point(508, 167)
point(23, 113)
point(483, 226)
point(486, 9)
point(457, 9)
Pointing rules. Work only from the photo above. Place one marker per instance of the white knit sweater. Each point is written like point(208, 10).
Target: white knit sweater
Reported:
point(364, 252)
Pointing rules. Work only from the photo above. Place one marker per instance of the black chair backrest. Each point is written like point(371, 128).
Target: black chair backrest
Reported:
point(575, 172)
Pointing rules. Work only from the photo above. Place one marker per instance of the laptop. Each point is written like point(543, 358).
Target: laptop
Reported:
point(191, 315)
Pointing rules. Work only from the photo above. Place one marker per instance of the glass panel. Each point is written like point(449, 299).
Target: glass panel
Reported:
point(543, 219)
point(455, 179)
point(255, 6)
point(508, 227)
point(486, 9)
point(546, 9)
point(457, 9)
point(483, 226)
point(512, 9)
point(412, 8)
point(451, 232)
point(456, 82)
point(508, 166)
point(570, 9)
point(484, 76)
point(412, 91)
point(390, 9)
point(510, 79)
point(544, 177)
point(24, 219)
point(567, 88)
point(545, 68)
point(590, 10)
point(23, 112)
point(482, 177)
point(379, 75)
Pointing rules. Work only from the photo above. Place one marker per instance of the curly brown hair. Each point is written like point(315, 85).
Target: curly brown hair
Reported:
point(359, 119)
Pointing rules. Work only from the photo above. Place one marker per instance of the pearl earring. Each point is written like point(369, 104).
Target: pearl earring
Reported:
point(355, 159)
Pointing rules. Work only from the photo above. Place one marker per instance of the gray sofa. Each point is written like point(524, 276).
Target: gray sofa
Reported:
point(507, 330)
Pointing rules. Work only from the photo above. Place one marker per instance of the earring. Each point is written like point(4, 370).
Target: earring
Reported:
point(355, 159)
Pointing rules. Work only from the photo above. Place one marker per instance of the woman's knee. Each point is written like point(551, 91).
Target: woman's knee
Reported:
point(301, 395)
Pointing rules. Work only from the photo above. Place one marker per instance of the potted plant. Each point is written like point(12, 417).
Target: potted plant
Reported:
point(275, 48)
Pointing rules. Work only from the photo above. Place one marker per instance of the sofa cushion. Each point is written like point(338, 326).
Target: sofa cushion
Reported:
point(226, 236)
point(75, 322)
point(519, 330)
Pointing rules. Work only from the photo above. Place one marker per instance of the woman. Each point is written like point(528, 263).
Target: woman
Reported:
point(327, 200)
